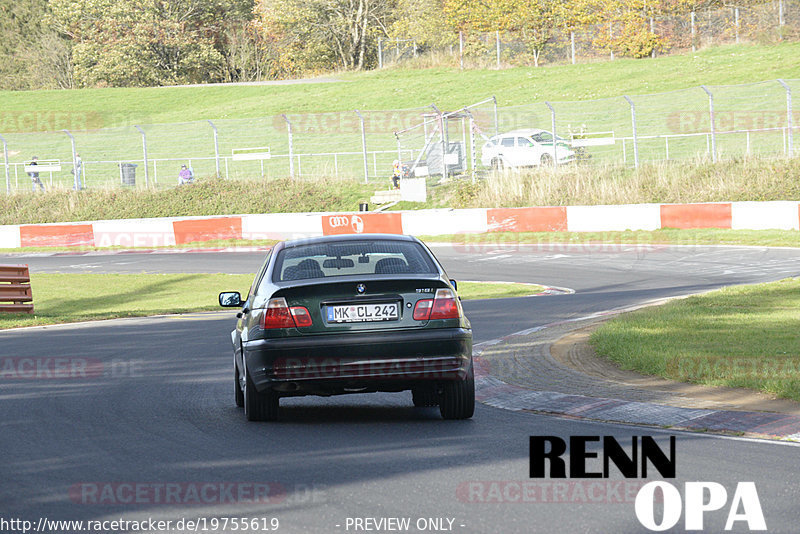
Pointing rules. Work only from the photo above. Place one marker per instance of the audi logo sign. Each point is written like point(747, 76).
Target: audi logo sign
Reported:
point(371, 223)
point(354, 221)
point(338, 220)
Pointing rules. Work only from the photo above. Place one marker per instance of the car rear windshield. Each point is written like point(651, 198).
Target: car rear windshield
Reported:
point(324, 260)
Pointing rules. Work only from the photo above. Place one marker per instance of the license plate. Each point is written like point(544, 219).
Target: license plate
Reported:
point(360, 313)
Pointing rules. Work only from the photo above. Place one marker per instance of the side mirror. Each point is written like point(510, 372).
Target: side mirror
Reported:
point(230, 299)
point(454, 284)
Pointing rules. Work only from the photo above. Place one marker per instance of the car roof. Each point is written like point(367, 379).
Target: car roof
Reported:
point(348, 237)
point(523, 131)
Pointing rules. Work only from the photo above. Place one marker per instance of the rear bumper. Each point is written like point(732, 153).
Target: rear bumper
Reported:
point(340, 363)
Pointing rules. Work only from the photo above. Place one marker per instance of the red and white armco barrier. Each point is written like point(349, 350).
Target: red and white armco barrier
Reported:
point(781, 215)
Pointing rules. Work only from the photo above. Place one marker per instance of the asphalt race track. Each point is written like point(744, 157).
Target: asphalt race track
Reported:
point(151, 431)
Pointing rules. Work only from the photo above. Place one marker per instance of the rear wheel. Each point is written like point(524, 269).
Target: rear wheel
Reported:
point(547, 160)
point(259, 406)
point(424, 396)
point(458, 397)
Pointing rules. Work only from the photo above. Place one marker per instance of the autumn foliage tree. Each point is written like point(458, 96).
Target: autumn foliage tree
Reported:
point(67, 43)
point(145, 42)
point(316, 33)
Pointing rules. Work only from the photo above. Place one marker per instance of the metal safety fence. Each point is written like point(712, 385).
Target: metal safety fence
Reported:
point(713, 122)
point(553, 43)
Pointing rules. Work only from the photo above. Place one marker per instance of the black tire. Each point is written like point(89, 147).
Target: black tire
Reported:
point(497, 164)
point(546, 160)
point(458, 397)
point(424, 397)
point(259, 406)
point(239, 394)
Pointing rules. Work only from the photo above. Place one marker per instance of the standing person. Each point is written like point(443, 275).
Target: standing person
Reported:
point(35, 175)
point(397, 172)
point(185, 176)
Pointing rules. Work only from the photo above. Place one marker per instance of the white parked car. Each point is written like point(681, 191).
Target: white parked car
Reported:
point(524, 148)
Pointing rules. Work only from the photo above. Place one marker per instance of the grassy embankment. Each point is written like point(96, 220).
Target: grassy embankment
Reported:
point(163, 111)
point(400, 88)
point(697, 181)
point(737, 337)
point(66, 298)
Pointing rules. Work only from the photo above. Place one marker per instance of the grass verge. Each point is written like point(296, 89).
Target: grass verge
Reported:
point(760, 179)
point(66, 298)
point(205, 197)
point(694, 180)
point(737, 337)
point(478, 242)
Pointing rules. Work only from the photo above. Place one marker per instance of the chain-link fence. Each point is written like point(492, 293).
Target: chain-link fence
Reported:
point(647, 36)
point(709, 122)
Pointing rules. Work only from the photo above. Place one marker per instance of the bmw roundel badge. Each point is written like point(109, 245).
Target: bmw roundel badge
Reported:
point(361, 288)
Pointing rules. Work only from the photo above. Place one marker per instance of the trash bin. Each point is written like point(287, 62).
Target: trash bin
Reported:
point(127, 172)
point(363, 206)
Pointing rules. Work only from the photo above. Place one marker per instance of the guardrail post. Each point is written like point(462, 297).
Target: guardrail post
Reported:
point(497, 40)
point(444, 141)
point(144, 150)
point(713, 130)
point(496, 119)
point(5, 162)
point(472, 152)
point(789, 118)
point(572, 45)
point(364, 146)
point(399, 147)
point(291, 146)
point(553, 131)
point(461, 49)
point(653, 31)
point(635, 137)
point(76, 181)
point(216, 146)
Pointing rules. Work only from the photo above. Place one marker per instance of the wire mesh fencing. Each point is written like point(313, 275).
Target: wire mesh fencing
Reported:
point(707, 122)
point(657, 33)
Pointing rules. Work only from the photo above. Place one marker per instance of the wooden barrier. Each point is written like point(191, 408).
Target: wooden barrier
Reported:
point(15, 289)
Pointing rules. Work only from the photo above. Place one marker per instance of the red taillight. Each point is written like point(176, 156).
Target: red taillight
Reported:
point(301, 316)
point(443, 306)
point(422, 311)
point(279, 315)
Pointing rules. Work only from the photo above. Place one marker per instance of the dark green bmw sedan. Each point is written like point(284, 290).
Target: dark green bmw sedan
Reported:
point(351, 314)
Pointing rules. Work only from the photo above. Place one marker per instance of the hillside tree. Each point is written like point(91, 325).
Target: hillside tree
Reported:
point(314, 32)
